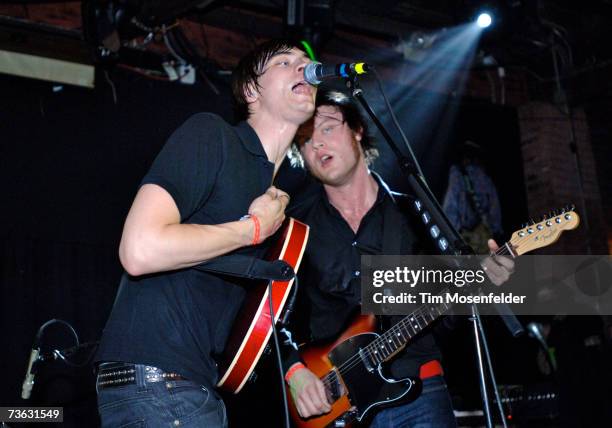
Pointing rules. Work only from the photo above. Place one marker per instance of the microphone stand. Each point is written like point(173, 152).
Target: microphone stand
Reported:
point(448, 241)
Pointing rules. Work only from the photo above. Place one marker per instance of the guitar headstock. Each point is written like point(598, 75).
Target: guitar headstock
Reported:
point(537, 235)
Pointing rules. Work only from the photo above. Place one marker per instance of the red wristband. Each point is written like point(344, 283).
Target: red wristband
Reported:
point(256, 231)
point(294, 368)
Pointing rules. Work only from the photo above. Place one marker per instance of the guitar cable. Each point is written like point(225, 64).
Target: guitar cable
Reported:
point(277, 348)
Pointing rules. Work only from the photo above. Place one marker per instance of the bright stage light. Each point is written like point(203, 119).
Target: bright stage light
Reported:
point(484, 20)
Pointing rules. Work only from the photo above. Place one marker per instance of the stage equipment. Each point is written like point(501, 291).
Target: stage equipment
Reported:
point(37, 356)
point(315, 72)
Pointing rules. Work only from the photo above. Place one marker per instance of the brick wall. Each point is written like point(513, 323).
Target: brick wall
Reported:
point(551, 174)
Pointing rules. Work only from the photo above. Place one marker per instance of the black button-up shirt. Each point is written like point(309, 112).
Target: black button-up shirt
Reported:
point(330, 283)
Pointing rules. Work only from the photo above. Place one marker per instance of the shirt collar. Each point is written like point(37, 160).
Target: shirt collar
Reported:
point(383, 188)
point(250, 139)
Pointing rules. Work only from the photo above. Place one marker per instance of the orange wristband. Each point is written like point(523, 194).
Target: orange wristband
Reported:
point(257, 229)
point(294, 368)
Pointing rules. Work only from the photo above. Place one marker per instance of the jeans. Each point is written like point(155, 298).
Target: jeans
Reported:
point(432, 409)
point(170, 404)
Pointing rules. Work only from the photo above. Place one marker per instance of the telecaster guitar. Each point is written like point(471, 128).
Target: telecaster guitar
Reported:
point(351, 368)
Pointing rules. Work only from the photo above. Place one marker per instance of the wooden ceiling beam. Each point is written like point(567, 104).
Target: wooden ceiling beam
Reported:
point(225, 34)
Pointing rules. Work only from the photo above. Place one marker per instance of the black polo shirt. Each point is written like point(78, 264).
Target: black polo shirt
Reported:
point(330, 280)
point(178, 321)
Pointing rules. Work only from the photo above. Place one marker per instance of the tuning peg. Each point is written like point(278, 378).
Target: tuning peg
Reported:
point(524, 225)
point(553, 213)
point(563, 210)
point(571, 207)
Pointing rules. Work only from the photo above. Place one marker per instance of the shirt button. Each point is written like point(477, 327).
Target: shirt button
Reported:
point(177, 422)
point(354, 243)
point(357, 273)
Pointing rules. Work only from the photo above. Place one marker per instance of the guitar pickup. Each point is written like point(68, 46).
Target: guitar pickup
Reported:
point(365, 361)
point(335, 388)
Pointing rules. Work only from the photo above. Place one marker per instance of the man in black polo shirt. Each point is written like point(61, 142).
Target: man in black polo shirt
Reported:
point(350, 216)
point(208, 193)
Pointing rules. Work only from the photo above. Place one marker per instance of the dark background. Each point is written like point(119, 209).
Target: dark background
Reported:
point(71, 159)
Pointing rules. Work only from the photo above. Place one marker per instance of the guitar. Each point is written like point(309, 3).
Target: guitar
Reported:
point(351, 367)
point(252, 327)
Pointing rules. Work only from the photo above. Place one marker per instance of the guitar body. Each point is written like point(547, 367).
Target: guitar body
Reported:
point(358, 390)
point(252, 327)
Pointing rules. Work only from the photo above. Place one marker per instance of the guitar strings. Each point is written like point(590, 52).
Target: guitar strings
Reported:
point(354, 361)
point(420, 312)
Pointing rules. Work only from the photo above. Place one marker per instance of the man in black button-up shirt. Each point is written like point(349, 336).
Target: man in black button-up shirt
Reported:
point(350, 215)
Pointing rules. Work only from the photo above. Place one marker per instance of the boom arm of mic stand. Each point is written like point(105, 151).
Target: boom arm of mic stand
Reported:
point(457, 245)
point(415, 180)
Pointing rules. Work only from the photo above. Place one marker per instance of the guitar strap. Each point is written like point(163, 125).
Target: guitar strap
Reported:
point(248, 267)
point(392, 219)
point(391, 244)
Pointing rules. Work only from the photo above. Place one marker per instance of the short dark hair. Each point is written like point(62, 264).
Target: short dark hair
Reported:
point(350, 114)
point(245, 77)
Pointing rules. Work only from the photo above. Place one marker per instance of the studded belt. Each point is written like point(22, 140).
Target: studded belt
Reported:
point(119, 374)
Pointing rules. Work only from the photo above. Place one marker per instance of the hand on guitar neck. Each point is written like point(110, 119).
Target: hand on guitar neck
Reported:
point(498, 267)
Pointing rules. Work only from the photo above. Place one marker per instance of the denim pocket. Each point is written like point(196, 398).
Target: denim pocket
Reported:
point(124, 407)
point(189, 400)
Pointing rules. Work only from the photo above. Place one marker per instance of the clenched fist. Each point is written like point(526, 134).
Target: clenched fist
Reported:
point(270, 211)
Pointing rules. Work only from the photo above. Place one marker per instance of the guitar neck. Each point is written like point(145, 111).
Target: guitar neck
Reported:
point(529, 238)
point(393, 340)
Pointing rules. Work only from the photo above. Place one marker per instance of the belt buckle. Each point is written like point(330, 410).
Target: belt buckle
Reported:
point(153, 374)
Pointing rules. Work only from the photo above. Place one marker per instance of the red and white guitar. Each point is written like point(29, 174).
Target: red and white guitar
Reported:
point(252, 327)
point(351, 367)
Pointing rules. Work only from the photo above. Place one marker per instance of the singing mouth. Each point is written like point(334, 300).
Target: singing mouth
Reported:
point(323, 160)
point(302, 87)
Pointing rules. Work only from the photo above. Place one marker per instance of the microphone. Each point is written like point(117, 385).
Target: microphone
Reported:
point(28, 382)
point(315, 72)
point(535, 331)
